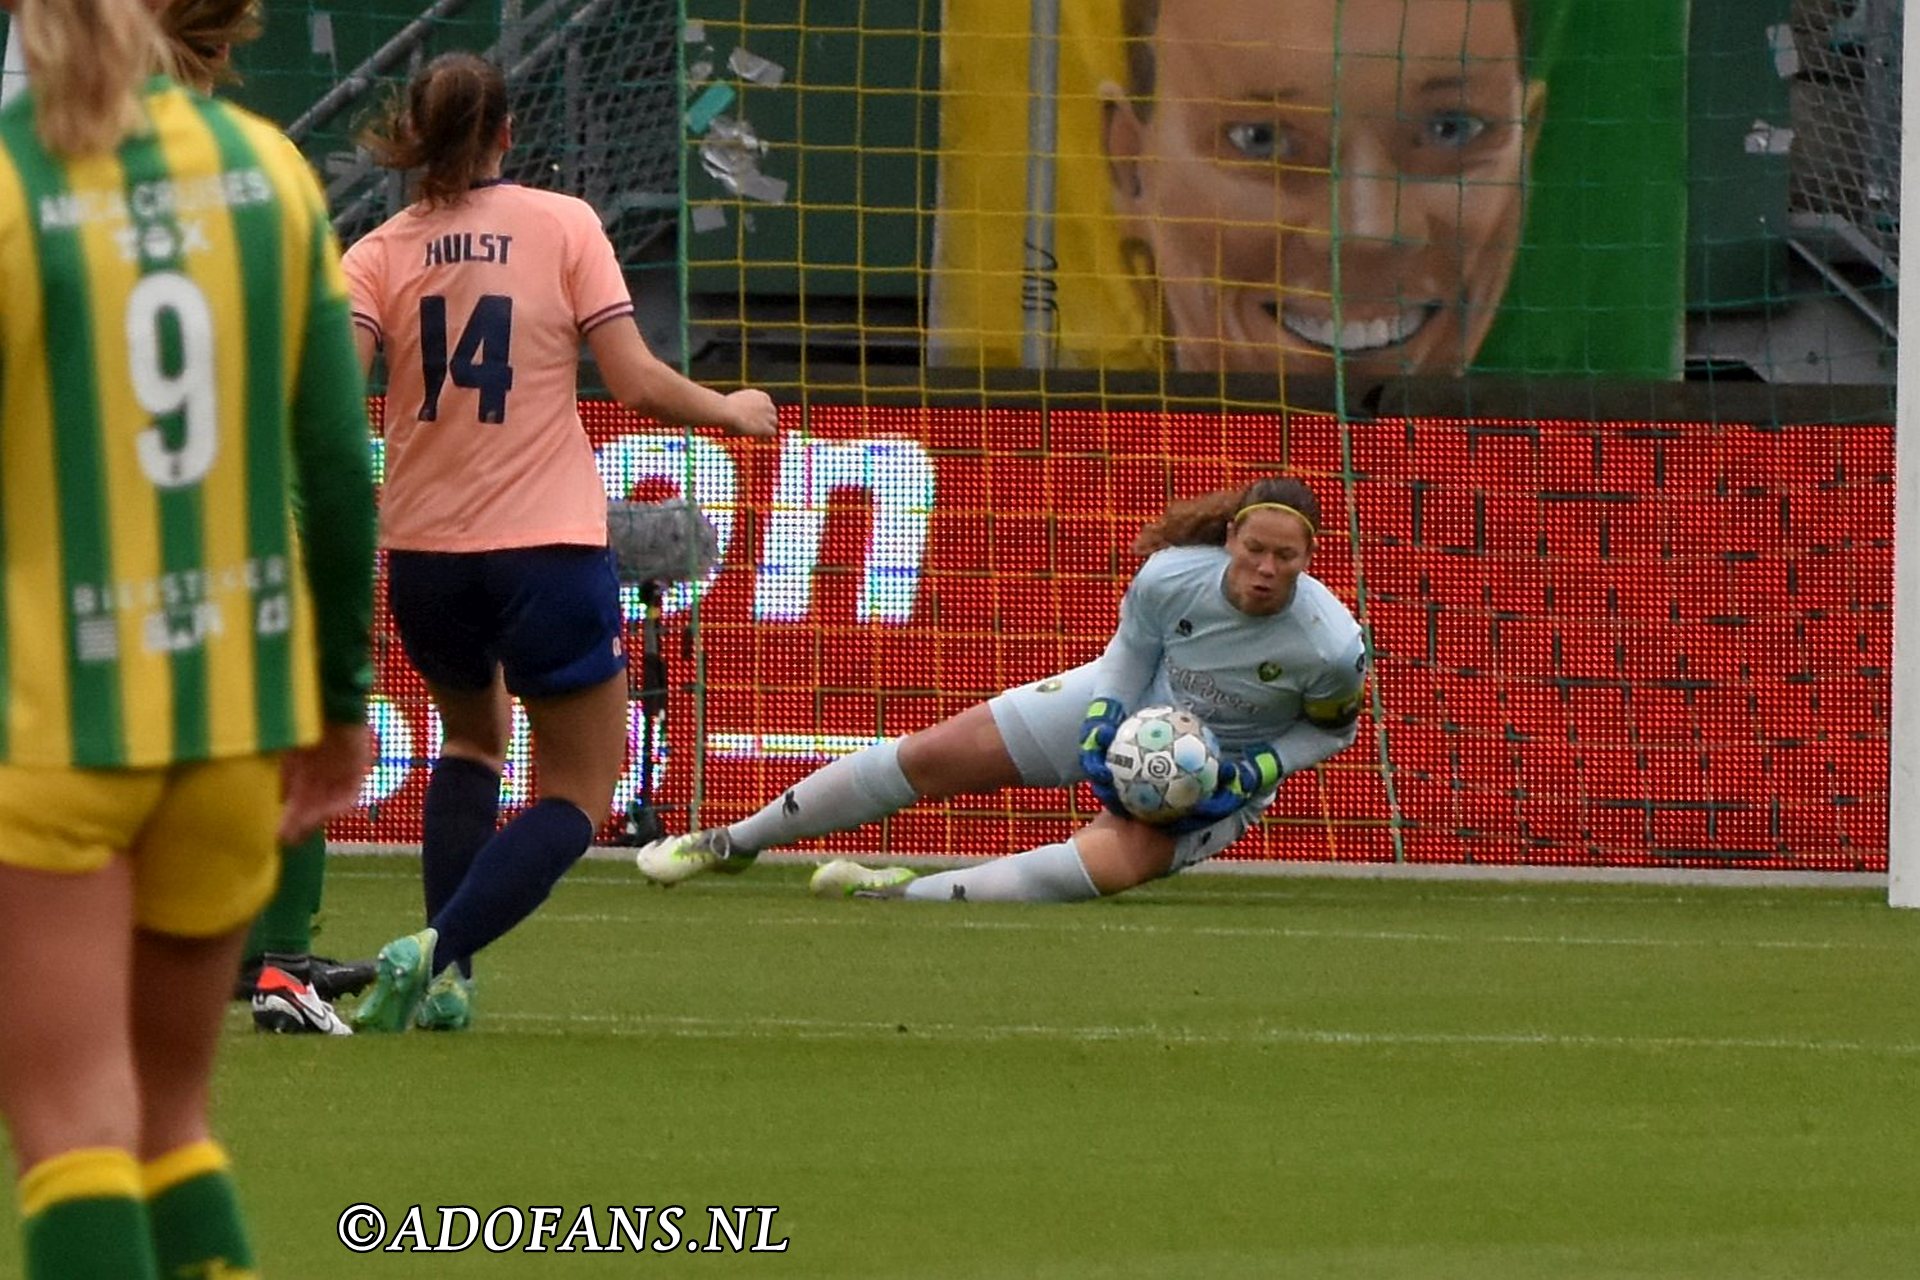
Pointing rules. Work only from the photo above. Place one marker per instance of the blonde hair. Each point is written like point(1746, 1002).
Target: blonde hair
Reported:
point(87, 61)
point(201, 35)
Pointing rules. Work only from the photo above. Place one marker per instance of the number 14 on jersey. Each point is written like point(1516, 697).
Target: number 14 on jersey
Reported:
point(481, 360)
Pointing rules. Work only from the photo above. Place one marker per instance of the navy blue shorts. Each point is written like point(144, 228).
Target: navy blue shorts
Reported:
point(549, 615)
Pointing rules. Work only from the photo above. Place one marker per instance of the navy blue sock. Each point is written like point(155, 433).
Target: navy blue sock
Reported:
point(463, 803)
point(510, 877)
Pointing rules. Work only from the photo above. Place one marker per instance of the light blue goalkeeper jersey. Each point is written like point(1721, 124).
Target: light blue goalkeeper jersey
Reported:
point(1293, 679)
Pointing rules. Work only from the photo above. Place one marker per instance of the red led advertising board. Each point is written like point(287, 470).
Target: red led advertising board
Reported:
point(1620, 643)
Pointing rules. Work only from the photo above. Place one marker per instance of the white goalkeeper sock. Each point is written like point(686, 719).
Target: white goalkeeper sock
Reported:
point(851, 791)
point(1051, 873)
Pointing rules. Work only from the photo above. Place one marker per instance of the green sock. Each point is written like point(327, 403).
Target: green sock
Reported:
point(286, 926)
point(195, 1213)
point(82, 1218)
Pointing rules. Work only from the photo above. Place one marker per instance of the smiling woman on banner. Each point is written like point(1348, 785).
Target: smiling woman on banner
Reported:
point(1345, 179)
point(1502, 201)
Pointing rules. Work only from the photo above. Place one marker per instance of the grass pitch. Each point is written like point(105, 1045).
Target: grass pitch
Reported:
point(1215, 1076)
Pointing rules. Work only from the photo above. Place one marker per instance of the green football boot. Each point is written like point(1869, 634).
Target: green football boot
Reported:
point(448, 1004)
point(404, 966)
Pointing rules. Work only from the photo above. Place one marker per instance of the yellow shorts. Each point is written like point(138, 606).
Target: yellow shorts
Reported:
point(202, 836)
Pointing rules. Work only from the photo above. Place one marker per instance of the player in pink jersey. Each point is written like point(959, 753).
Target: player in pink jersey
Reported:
point(494, 515)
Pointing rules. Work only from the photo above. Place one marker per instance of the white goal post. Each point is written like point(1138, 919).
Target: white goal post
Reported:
point(1903, 820)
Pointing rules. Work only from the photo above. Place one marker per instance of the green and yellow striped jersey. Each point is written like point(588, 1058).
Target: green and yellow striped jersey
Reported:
point(176, 361)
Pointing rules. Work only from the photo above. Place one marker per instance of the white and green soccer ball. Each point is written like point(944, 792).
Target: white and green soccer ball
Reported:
point(1164, 761)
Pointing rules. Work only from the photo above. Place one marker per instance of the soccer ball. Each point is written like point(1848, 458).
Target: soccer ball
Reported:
point(1164, 761)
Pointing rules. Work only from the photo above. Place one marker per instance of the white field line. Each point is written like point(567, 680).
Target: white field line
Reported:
point(829, 1029)
point(1310, 869)
point(1279, 897)
point(1076, 920)
point(1751, 898)
point(939, 916)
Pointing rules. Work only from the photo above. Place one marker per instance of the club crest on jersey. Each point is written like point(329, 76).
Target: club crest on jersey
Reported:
point(1184, 626)
point(1049, 686)
point(1269, 672)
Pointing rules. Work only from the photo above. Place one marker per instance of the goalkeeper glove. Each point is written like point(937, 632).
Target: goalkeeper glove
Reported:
point(1104, 717)
point(1255, 773)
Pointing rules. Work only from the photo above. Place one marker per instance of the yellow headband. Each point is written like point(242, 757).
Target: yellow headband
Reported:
point(1241, 514)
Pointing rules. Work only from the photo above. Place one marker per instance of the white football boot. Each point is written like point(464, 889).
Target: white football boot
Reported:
point(669, 861)
point(843, 879)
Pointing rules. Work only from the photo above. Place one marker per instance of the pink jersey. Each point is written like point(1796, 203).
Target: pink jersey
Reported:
point(480, 308)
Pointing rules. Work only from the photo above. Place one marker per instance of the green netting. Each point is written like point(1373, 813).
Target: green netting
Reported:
point(594, 84)
point(1578, 316)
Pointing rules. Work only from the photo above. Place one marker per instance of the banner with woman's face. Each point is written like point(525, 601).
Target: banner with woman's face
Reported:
point(1373, 188)
point(1279, 187)
point(1342, 179)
